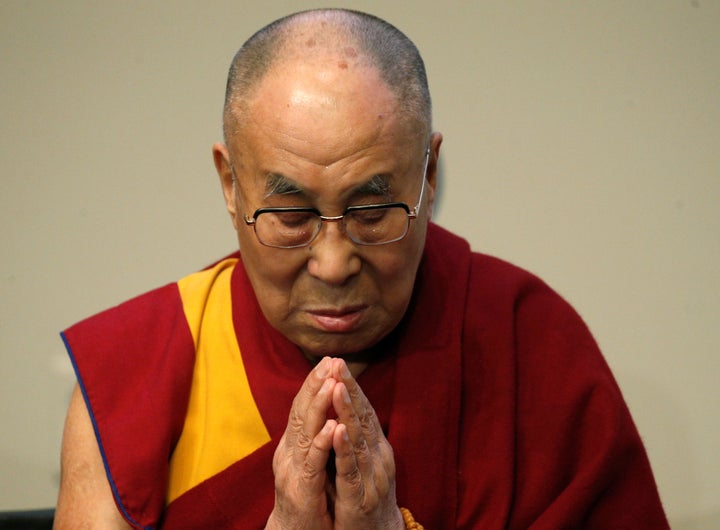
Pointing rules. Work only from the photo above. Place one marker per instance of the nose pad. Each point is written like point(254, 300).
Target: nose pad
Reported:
point(338, 220)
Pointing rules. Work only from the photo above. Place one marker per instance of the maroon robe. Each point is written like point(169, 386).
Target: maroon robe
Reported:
point(499, 407)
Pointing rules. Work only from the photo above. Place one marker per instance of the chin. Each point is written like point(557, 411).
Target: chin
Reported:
point(331, 348)
point(337, 345)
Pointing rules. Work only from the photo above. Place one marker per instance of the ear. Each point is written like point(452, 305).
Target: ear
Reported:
point(432, 171)
point(221, 157)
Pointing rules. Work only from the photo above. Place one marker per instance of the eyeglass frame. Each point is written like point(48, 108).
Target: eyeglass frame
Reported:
point(251, 221)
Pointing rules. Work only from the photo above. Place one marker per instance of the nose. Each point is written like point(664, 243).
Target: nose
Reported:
point(333, 255)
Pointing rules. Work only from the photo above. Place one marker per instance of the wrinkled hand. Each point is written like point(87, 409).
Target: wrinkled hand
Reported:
point(299, 463)
point(365, 466)
point(361, 495)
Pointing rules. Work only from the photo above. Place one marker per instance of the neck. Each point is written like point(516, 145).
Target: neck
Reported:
point(359, 361)
point(356, 368)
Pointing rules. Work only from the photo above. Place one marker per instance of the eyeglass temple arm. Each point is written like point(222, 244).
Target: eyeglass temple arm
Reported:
point(416, 210)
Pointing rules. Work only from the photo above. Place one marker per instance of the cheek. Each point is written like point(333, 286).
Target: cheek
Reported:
point(272, 274)
point(394, 276)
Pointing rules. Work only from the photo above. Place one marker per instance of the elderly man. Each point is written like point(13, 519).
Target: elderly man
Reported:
point(354, 366)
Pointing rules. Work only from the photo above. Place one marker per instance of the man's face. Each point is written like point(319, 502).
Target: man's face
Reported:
point(315, 135)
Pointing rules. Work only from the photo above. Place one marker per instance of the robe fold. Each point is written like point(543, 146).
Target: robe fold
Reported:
point(495, 398)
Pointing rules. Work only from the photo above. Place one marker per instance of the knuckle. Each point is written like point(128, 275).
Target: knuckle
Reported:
point(294, 419)
point(309, 471)
point(366, 419)
point(362, 451)
point(387, 453)
point(303, 440)
point(353, 478)
point(295, 433)
point(388, 461)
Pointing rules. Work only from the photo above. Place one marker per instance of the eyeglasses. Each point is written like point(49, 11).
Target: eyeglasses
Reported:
point(371, 224)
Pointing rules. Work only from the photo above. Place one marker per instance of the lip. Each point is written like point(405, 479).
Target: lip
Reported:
point(332, 320)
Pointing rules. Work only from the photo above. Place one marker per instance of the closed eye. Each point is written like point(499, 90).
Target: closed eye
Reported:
point(369, 216)
point(293, 219)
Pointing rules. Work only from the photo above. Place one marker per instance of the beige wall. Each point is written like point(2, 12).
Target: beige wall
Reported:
point(582, 141)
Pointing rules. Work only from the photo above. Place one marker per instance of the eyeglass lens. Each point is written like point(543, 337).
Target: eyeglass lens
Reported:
point(371, 226)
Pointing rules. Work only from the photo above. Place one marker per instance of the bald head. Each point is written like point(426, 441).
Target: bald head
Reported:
point(352, 39)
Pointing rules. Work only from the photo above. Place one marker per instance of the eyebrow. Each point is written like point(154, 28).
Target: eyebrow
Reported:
point(277, 184)
point(377, 185)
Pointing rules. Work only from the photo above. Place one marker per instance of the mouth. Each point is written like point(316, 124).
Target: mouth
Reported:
point(344, 320)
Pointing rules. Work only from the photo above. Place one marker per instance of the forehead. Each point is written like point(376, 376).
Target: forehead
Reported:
point(324, 108)
point(326, 121)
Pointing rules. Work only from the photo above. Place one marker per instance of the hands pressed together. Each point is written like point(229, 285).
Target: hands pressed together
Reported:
point(361, 492)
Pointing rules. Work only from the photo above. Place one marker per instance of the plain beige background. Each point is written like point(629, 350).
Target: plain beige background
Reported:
point(582, 141)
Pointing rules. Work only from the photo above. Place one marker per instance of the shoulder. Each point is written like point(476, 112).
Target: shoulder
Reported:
point(491, 279)
point(134, 365)
point(152, 310)
point(502, 287)
point(495, 296)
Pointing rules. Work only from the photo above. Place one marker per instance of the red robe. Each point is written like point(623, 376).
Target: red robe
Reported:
point(499, 407)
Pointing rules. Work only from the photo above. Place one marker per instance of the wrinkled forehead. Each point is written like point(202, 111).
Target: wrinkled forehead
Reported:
point(326, 104)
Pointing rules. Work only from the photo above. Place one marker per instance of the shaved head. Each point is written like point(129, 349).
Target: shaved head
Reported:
point(351, 38)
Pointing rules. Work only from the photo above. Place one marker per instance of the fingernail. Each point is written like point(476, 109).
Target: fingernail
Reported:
point(321, 370)
point(345, 372)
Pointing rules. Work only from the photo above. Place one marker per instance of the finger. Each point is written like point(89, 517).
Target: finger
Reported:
point(372, 461)
point(350, 436)
point(360, 418)
point(314, 466)
point(349, 477)
point(307, 418)
point(300, 491)
point(359, 486)
point(303, 400)
point(313, 382)
point(347, 411)
point(365, 496)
